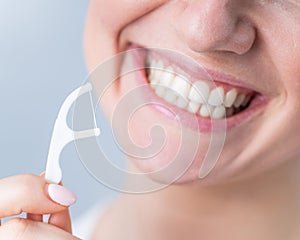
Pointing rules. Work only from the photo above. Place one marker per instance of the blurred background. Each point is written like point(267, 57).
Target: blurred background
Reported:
point(41, 62)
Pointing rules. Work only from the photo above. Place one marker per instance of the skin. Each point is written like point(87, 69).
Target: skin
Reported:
point(253, 191)
point(256, 196)
point(28, 193)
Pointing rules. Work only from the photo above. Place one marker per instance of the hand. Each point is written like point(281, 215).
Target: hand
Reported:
point(33, 195)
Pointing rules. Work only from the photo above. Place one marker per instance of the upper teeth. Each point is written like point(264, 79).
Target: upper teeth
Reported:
point(198, 97)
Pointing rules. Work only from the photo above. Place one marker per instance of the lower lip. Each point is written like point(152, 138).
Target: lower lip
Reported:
point(189, 120)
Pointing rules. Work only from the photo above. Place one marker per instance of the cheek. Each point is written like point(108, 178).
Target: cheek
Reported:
point(105, 22)
point(110, 14)
point(287, 63)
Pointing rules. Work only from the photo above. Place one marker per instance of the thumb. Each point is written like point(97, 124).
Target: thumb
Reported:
point(61, 219)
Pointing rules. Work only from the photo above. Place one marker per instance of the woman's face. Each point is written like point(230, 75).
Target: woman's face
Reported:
point(249, 49)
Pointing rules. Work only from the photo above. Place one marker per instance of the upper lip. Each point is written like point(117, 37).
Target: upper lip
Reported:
point(198, 70)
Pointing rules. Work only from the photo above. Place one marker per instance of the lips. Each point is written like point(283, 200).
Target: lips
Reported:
point(192, 95)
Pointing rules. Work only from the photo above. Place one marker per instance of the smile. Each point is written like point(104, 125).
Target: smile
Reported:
point(196, 96)
point(191, 92)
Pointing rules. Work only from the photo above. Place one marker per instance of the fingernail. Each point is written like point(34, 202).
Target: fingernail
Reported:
point(61, 195)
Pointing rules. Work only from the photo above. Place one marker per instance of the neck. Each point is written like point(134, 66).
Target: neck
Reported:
point(266, 207)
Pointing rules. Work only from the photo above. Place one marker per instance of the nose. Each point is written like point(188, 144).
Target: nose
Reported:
point(216, 25)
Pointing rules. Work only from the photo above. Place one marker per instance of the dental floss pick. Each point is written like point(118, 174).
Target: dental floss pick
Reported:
point(62, 134)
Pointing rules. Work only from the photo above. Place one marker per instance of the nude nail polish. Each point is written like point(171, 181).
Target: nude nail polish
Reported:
point(61, 195)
